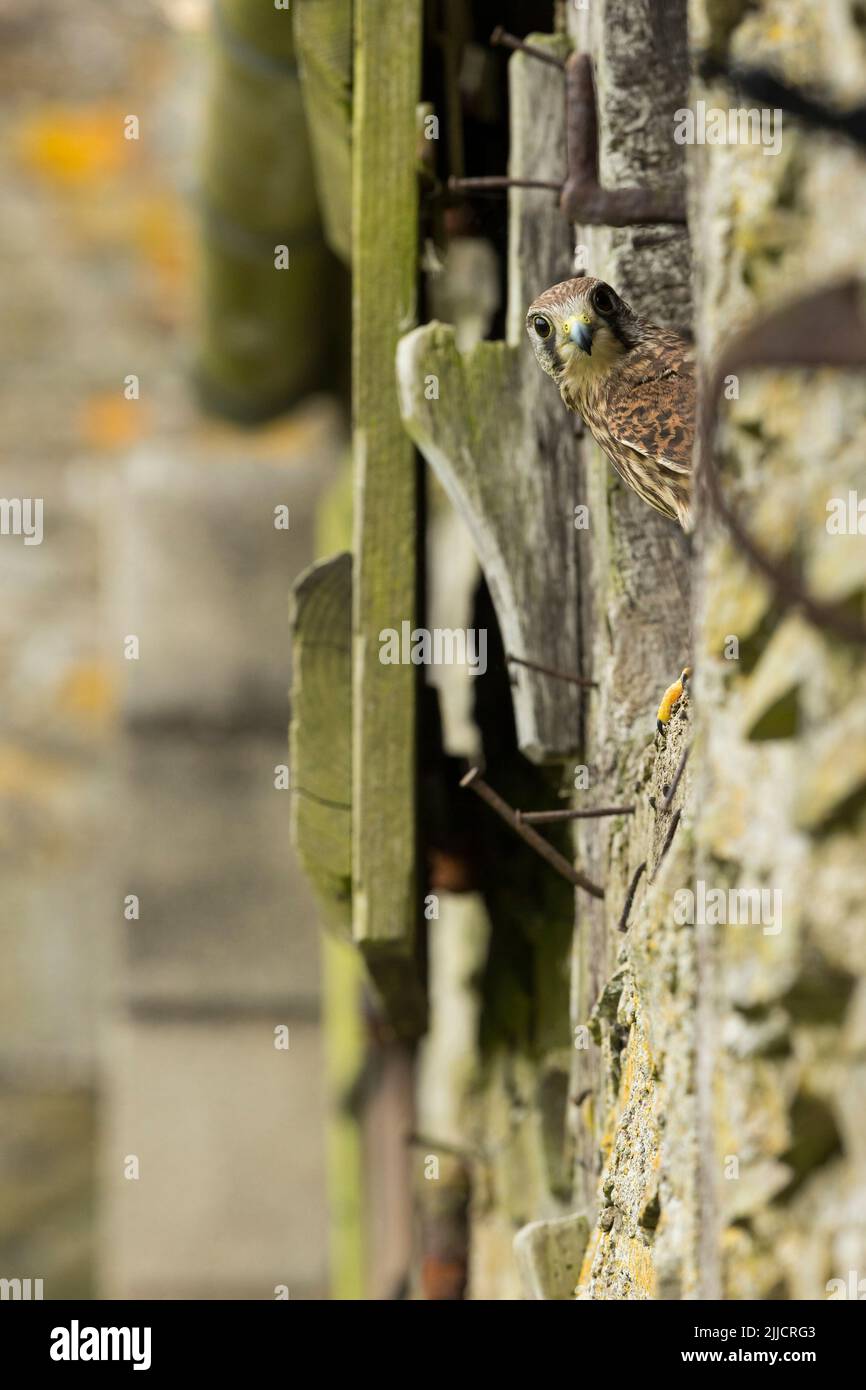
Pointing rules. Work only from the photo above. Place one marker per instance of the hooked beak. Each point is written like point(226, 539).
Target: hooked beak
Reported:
point(581, 334)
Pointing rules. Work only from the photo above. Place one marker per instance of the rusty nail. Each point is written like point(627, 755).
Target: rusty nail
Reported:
point(500, 38)
point(629, 897)
point(511, 817)
point(551, 671)
point(672, 830)
point(551, 817)
point(583, 197)
point(495, 183)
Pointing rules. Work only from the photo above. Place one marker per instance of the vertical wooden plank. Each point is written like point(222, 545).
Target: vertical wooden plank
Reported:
point(321, 763)
point(320, 733)
point(384, 237)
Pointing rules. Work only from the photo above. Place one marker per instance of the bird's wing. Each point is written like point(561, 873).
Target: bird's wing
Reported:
point(651, 408)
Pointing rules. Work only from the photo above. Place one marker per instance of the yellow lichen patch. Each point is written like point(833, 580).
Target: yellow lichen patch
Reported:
point(74, 146)
point(638, 1064)
point(107, 420)
point(164, 238)
point(639, 1263)
point(24, 774)
point(627, 1081)
point(88, 692)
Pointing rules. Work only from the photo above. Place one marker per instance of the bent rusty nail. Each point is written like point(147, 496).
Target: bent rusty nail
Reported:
point(507, 813)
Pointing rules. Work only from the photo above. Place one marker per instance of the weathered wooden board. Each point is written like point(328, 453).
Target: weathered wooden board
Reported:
point(321, 732)
point(493, 427)
point(385, 252)
point(321, 762)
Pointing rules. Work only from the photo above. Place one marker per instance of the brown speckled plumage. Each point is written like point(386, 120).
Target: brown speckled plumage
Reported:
point(631, 381)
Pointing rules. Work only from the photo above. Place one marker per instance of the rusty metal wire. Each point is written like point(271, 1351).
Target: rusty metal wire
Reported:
point(622, 925)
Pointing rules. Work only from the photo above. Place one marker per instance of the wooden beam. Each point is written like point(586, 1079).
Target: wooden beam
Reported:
point(321, 733)
point(385, 261)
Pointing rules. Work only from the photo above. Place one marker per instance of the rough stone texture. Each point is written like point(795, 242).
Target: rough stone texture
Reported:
point(637, 1125)
point(780, 774)
point(548, 1256)
point(720, 1138)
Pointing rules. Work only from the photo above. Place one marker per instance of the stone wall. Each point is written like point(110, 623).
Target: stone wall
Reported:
point(714, 1107)
point(779, 771)
point(719, 1129)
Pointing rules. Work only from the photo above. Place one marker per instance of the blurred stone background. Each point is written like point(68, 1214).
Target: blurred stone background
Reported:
point(156, 935)
point(152, 1037)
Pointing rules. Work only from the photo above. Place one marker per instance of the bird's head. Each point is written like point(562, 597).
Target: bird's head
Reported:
point(579, 328)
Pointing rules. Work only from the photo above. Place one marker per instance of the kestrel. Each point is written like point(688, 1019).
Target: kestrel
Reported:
point(634, 385)
point(632, 382)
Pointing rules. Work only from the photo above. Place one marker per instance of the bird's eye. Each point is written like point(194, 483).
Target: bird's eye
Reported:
point(542, 327)
point(603, 300)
